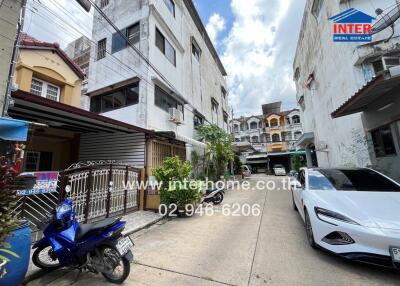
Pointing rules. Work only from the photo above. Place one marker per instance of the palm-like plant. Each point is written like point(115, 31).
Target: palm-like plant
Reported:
point(9, 184)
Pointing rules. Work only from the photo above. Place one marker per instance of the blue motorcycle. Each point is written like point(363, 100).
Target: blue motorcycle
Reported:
point(98, 247)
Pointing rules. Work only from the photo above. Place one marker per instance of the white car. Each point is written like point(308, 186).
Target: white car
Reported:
point(354, 213)
point(279, 170)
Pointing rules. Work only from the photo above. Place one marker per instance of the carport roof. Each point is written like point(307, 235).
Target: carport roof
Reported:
point(38, 109)
point(369, 93)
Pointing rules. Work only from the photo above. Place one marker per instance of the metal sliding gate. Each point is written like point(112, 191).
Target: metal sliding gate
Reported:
point(97, 190)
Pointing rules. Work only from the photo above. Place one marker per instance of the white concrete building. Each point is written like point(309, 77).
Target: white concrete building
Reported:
point(10, 14)
point(327, 74)
point(79, 52)
point(187, 87)
point(251, 130)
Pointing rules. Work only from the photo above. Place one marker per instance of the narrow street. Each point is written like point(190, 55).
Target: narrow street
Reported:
point(270, 249)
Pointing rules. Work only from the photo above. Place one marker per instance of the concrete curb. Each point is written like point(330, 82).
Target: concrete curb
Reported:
point(40, 273)
point(147, 225)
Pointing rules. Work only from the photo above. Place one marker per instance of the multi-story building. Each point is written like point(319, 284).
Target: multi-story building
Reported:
point(79, 52)
point(9, 14)
point(273, 135)
point(174, 83)
point(335, 82)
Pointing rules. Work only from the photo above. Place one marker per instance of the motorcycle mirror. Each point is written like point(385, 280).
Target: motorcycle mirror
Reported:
point(68, 189)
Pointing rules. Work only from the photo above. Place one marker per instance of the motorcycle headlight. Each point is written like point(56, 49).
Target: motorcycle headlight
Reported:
point(325, 215)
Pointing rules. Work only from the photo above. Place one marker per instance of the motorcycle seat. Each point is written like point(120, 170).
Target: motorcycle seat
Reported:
point(84, 229)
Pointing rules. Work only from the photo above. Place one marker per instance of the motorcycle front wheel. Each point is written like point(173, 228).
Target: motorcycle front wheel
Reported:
point(45, 258)
point(218, 199)
point(122, 269)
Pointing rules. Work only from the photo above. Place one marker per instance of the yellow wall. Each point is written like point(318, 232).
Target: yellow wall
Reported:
point(277, 146)
point(48, 66)
point(59, 142)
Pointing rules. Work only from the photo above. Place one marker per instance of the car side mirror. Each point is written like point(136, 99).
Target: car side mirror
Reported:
point(295, 185)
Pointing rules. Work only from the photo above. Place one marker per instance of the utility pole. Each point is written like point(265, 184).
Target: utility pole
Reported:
point(10, 78)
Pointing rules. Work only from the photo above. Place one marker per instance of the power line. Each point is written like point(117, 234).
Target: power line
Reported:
point(149, 83)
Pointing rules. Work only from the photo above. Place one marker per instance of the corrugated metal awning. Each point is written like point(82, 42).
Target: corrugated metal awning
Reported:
point(38, 109)
point(370, 92)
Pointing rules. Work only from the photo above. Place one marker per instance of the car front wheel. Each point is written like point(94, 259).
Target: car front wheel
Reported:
point(309, 230)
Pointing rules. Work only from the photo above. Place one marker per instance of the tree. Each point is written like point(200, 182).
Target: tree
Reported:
point(220, 150)
point(298, 162)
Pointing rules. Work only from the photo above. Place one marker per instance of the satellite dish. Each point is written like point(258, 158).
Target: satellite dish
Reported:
point(387, 20)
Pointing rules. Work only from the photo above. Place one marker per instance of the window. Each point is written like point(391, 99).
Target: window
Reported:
point(363, 180)
point(116, 99)
point(214, 105)
point(302, 103)
point(171, 6)
point(132, 33)
point(101, 49)
point(225, 117)
point(198, 120)
point(317, 9)
point(236, 128)
point(296, 119)
point(253, 125)
point(196, 50)
point(297, 74)
point(276, 138)
point(165, 101)
point(52, 92)
point(36, 87)
point(223, 92)
point(382, 139)
point(104, 3)
point(254, 139)
point(274, 122)
point(165, 47)
point(297, 135)
point(38, 161)
point(385, 63)
point(244, 126)
point(45, 89)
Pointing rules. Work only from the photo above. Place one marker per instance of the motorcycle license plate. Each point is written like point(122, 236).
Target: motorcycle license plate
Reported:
point(124, 244)
point(395, 252)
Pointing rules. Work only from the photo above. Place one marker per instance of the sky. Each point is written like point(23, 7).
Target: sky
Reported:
point(256, 41)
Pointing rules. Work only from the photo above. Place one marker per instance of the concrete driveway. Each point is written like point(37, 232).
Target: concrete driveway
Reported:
point(270, 249)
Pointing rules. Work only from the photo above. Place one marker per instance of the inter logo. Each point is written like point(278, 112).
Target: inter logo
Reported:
point(352, 26)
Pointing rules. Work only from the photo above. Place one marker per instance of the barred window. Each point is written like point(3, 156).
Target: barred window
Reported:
point(101, 49)
point(36, 87)
point(104, 3)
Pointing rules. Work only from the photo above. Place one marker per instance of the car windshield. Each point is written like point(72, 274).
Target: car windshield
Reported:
point(363, 180)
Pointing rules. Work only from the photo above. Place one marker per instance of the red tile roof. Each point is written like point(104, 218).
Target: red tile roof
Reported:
point(29, 42)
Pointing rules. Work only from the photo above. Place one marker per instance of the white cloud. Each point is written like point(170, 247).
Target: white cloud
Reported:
point(59, 21)
point(259, 51)
point(216, 24)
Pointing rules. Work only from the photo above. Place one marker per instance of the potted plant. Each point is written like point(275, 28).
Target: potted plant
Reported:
point(15, 235)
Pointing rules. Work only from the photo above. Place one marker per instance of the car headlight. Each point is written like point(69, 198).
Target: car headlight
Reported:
point(322, 214)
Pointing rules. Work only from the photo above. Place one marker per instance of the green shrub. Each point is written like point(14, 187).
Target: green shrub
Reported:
point(175, 187)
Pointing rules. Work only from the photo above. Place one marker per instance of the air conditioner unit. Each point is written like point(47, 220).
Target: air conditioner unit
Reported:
point(176, 116)
point(389, 62)
point(385, 63)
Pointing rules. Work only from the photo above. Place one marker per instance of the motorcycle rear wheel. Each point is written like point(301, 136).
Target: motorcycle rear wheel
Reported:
point(44, 258)
point(121, 272)
point(218, 199)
